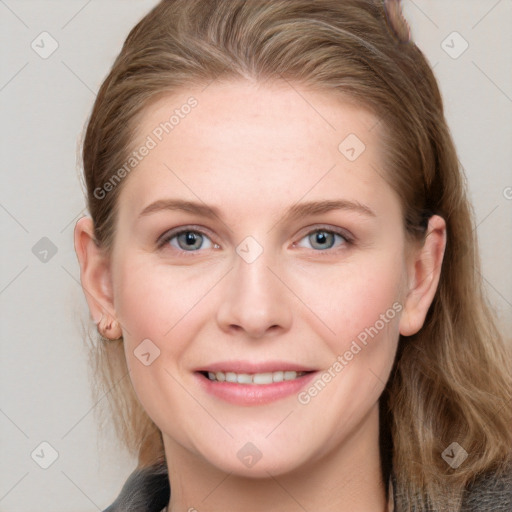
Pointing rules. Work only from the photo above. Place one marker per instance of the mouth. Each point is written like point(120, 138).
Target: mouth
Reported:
point(247, 384)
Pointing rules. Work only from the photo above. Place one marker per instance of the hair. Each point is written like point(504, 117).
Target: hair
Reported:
point(451, 380)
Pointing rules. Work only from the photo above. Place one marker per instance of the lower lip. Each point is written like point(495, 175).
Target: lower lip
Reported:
point(253, 394)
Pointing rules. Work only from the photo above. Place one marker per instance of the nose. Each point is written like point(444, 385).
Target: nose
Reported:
point(255, 301)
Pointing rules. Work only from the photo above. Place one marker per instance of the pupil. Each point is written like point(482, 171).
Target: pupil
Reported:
point(191, 238)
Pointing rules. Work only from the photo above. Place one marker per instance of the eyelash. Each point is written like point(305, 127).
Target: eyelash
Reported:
point(167, 237)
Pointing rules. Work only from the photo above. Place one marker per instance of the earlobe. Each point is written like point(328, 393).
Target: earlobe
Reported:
point(424, 274)
point(95, 278)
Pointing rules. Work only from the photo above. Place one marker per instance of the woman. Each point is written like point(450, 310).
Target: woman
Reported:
point(280, 257)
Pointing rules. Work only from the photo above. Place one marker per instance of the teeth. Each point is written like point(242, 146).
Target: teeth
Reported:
point(278, 376)
point(263, 378)
point(230, 377)
point(244, 378)
point(254, 378)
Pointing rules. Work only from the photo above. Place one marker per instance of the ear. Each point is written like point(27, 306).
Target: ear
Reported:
point(94, 271)
point(424, 270)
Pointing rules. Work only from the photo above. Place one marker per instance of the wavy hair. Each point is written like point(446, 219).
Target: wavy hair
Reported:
point(451, 380)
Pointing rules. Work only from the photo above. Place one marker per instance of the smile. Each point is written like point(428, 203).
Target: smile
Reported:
point(248, 389)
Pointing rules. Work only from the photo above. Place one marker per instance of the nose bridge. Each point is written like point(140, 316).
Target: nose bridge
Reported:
point(255, 299)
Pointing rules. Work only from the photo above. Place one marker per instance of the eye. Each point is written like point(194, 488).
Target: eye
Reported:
point(324, 239)
point(189, 240)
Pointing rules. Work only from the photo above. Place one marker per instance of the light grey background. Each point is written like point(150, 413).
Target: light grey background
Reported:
point(45, 391)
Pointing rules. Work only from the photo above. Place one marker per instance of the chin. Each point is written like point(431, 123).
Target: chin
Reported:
point(263, 468)
point(261, 458)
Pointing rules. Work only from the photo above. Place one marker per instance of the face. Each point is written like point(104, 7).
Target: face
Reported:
point(255, 241)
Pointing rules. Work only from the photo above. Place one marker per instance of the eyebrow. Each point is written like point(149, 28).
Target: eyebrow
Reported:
point(296, 211)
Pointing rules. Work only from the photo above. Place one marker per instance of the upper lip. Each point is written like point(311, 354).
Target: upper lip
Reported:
point(253, 367)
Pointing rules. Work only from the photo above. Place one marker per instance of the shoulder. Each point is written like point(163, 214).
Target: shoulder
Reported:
point(145, 490)
point(491, 491)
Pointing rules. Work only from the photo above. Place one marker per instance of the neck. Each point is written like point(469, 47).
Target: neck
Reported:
point(347, 479)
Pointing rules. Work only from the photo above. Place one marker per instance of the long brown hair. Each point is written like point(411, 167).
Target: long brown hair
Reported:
point(451, 381)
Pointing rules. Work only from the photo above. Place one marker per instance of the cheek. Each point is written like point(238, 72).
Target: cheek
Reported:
point(156, 310)
point(355, 297)
point(161, 309)
point(363, 311)
point(153, 299)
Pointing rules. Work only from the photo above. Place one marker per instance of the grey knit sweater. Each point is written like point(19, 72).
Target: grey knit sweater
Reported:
point(148, 490)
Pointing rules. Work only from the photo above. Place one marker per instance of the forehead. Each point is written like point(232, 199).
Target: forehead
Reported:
point(240, 144)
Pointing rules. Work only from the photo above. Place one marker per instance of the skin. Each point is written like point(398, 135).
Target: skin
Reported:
point(253, 150)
